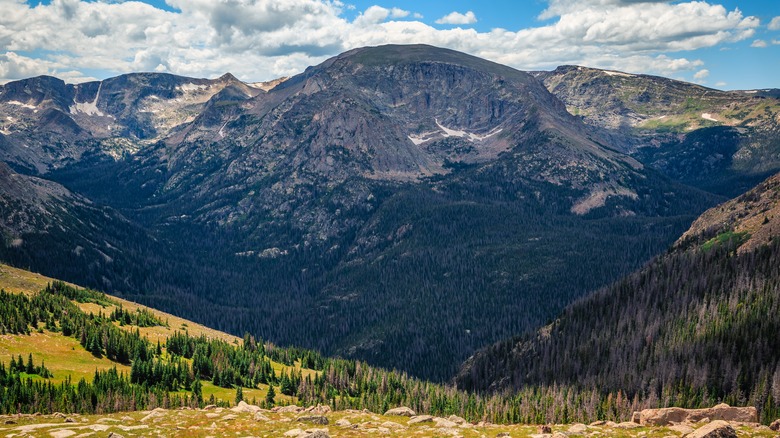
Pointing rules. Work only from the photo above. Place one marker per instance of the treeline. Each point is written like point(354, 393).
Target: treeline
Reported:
point(694, 328)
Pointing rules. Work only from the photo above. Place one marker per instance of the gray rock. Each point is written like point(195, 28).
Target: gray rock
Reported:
point(666, 416)
point(455, 419)
point(417, 419)
point(715, 429)
point(402, 411)
point(313, 419)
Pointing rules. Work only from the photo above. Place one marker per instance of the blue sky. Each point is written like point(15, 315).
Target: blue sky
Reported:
point(727, 44)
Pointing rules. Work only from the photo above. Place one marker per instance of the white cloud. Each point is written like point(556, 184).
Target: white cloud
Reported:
point(264, 39)
point(721, 84)
point(398, 13)
point(774, 24)
point(458, 18)
point(758, 43)
point(701, 75)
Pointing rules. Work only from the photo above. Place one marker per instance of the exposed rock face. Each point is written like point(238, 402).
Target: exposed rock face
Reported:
point(402, 411)
point(666, 416)
point(715, 429)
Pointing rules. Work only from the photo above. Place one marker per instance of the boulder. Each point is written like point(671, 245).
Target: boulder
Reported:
point(313, 419)
point(417, 419)
point(445, 423)
point(243, 406)
point(578, 429)
point(598, 423)
point(545, 429)
point(457, 420)
point(667, 416)
point(294, 433)
point(343, 423)
point(715, 429)
point(319, 409)
point(292, 409)
point(402, 411)
point(635, 417)
point(681, 428)
point(626, 425)
point(775, 425)
point(260, 417)
point(392, 425)
point(503, 434)
point(316, 433)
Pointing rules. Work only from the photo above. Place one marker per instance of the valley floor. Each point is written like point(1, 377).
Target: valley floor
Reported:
point(246, 420)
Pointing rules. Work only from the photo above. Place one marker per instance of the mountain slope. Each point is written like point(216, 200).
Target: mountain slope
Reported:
point(724, 142)
point(399, 204)
point(696, 325)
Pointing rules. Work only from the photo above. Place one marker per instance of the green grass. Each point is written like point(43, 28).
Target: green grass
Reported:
point(723, 238)
point(65, 357)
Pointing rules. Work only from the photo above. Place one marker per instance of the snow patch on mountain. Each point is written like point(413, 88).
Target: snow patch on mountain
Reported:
point(447, 132)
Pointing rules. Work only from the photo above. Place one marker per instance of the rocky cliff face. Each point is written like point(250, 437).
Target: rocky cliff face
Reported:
point(49, 124)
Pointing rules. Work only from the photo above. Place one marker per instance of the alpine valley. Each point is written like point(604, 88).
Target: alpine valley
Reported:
point(409, 205)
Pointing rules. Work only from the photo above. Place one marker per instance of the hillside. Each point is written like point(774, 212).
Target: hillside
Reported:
point(722, 142)
point(695, 326)
point(403, 205)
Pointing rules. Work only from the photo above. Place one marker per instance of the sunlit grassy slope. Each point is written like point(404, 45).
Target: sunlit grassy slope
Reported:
point(66, 358)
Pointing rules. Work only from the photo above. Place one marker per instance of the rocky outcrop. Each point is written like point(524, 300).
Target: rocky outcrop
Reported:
point(775, 425)
point(421, 419)
point(715, 429)
point(243, 406)
point(667, 416)
point(402, 411)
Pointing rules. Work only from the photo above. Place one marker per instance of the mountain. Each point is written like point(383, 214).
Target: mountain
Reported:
point(722, 142)
point(400, 204)
point(695, 326)
point(49, 124)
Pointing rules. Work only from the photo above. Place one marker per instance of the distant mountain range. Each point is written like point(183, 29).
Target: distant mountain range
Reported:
point(405, 205)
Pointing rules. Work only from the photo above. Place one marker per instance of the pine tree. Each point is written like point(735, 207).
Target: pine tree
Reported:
point(239, 394)
point(269, 397)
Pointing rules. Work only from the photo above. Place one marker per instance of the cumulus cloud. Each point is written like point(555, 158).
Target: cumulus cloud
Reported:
point(458, 18)
point(264, 39)
point(759, 44)
point(774, 24)
point(701, 75)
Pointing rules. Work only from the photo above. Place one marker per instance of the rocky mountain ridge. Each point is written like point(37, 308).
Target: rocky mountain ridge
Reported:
point(720, 141)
